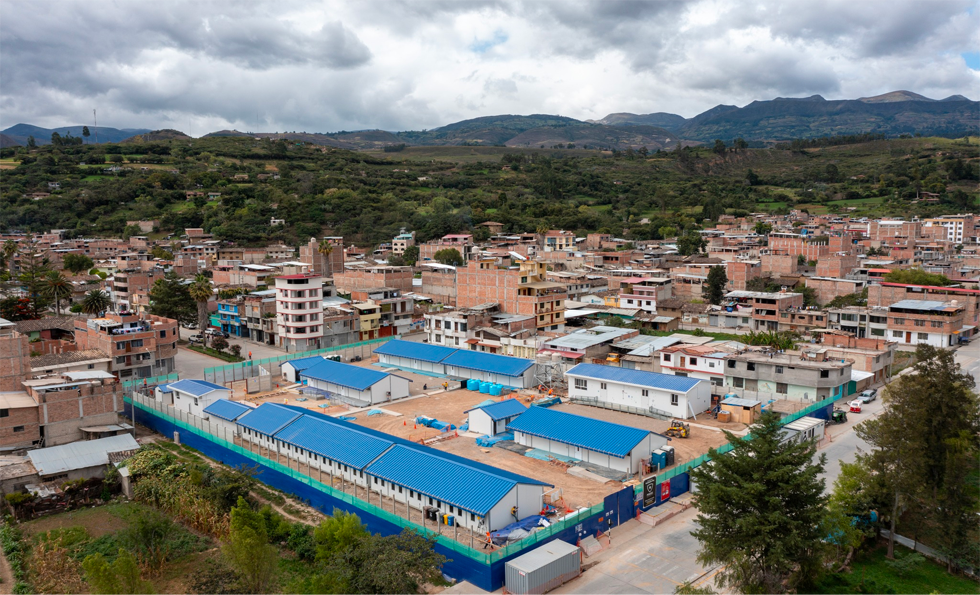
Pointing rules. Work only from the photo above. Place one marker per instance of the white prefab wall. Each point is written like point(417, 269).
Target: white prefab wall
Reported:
point(481, 423)
point(196, 405)
point(631, 395)
point(628, 464)
point(376, 393)
point(412, 364)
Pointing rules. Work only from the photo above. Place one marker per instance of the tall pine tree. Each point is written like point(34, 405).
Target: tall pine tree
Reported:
point(760, 509)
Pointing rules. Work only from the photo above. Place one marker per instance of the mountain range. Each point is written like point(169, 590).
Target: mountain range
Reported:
point(17, 134)
point(891, 114)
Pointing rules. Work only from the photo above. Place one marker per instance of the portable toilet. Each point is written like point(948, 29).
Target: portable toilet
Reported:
point(658, 459)
point(473, 384)
point(669, 454)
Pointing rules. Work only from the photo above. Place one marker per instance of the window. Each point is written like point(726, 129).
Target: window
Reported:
point(937, 324)
point(91, 366)
point(18, 428)
point(897, 334)
point(121, 345)
point(923, 336)
point(602, 386)
point(645, 393)
point(694, 361)
point(399, 489)
point(738, 382)
point(919, 322)
point(684, 374)
point(674, 400)
point(136, 343)
point(779, 369)
point(878, 332)
point(731, 363)
point(750, 366)
point(899, 320)
point(666, 357)
point(4, 412)
point(825, 373)
point(711, 364)
point(716, 381)
point(781, 388)
point(581, 384)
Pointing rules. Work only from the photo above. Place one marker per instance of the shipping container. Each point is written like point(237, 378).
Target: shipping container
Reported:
point(543, 568)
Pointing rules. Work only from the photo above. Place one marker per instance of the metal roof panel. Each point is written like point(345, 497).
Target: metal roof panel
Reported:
point(268, 418)
point(413, 350)
point(79, 455)
point(197, 388)
point(585, 432)
point(227, 410)
point(354, 377)
point(488, 362)
point(502, 409)
point(341, 442)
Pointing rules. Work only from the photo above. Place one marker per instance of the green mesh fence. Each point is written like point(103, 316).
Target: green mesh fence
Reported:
point(447, 542)
point(228, 372)
point(129, 385)
point(727, 447)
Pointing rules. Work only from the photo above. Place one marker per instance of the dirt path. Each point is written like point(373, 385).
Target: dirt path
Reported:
point(6, 575)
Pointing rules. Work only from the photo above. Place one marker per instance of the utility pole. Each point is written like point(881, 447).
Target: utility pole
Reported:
point(96, 119)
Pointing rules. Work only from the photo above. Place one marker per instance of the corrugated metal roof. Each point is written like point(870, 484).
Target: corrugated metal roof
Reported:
point(79, 455)
point(420, 351)
point(488, 362)
point(737, 402)
point(585, 432)
point(268, 418)
point(343, 443)
point(303, 362)
point(197, 388)
point(924, 305)
point(448, 481)
point(227, 410)
point(681, 384)
point(502, 409)
point(354, 377)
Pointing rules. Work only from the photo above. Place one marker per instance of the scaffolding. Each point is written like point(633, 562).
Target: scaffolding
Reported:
point(550, 374)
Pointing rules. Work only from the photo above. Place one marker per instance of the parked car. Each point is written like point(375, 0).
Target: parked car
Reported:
point(190, 325)
point(868, 395)
point(217, 332)
point(196, 339)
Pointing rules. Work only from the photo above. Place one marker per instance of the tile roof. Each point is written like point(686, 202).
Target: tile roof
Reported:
point(502, 409)
point(268, 418)
point(584, 432)
point(197, 388)
point(470, 489)
point(681, 384)
point(227, 410)
point(488, 362)
point(51, 360)
point(354, 377)
point(420, 351)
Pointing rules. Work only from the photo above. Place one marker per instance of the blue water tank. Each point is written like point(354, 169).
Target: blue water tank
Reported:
point(495, 390)
point(473, 384)
point(485, 387)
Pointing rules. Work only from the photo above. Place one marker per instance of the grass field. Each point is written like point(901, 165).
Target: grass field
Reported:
point(871, 574)
point(473, 154)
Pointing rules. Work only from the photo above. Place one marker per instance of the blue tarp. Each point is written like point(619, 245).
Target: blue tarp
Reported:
point(431, 422)
point(489, 441)
point(516, 531)
point(375, 412)
point(465, 427)
point(549, 402)
point(346, 417)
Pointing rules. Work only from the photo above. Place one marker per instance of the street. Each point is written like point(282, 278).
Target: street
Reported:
point(190, 364)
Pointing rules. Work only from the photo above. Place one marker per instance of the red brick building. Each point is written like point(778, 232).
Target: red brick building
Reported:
point(522, 290)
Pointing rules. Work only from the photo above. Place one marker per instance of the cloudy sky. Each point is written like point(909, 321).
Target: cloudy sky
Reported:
point(200, 66)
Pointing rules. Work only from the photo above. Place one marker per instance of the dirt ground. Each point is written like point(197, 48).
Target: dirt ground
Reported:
point(444, 406)
point(684, 449)
point(6, 576)
point(98, 521)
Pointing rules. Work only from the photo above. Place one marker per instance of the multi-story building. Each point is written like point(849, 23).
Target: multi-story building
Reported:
point(766, 307)
point(957, 226)
point(340, 326)
point(125, 284)
point(439, 282)
point(784, 376)
point(885, 294)
point(368, 320)
point(463, 242)
point(579, 284)
point(15, 352)
point(328, 264)
point(369, 277)
point(704, 362)
point(557, 240)
point(455, 327)
point(299, 311)
point(396, 310)
point(859, 321)
point(645, 294)
point(140, 346)
point(522, 290)
point(402, 242)
point(259, 316)
point(939, 324)
point(827, 288)
point(230, 319)
point(871, 357)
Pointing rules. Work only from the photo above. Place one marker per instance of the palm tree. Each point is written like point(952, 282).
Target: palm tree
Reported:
point(325, 248)
point(96, 302)
point(58, 287)
point(6, 253)
point(202, 292)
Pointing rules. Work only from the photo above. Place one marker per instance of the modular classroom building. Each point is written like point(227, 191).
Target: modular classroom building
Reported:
point(458, 364)
point(492, 419)
point(601, 443)
point(354, 385)
point(677, 396)
point(479, 497)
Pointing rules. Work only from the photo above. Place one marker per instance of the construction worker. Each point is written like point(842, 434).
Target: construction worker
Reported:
point(488, 542)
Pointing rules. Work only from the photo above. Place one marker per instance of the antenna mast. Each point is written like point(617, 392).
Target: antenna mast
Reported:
point(96, 119)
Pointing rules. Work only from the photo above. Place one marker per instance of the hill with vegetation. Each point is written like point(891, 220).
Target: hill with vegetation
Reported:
point(42, 136)
point(156, 135)
point(368, 196)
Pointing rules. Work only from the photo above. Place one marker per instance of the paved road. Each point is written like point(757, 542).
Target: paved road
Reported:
point(190, 364)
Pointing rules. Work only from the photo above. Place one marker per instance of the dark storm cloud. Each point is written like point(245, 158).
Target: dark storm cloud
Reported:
point(401, 64)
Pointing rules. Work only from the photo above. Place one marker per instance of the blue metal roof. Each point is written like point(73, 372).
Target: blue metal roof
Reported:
point(924, 305)
point(228, 410)
point(413, 350)
point(488, 362)
point(354, 377)
point(502, 409)
point(165, 388)
point(344, 443)
point(680, 384)
point(268, 418)
point(448, 481)
point(303, 362)
point(585, 432)
point(197, 388)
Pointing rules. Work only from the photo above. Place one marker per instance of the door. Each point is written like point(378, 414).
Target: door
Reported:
point(683, 362)
point(908, 336)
